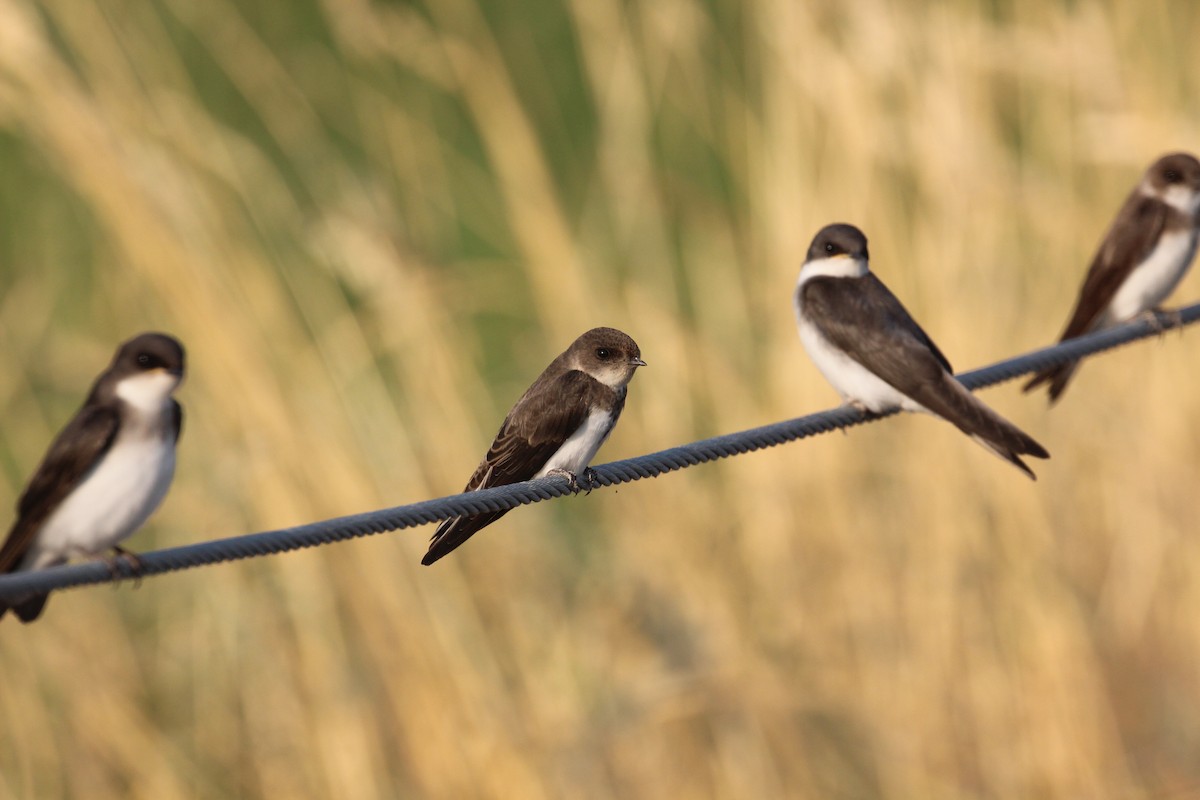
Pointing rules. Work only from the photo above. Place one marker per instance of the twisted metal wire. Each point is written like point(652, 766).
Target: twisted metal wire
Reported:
point(506, 497)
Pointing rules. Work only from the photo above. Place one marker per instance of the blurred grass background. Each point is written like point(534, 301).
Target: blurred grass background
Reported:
point(373, 224)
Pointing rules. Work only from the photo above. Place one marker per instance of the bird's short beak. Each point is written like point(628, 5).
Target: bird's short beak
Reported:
point(637, 362)
point(177, 372)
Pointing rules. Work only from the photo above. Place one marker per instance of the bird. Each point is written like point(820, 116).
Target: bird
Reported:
point(106, 471)
point(1142, 258)
point(555, 428)
point(876, 356)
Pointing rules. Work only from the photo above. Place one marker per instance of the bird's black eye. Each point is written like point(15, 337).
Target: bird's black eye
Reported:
point(148, 361)
point(1173, 176)
point(603, 352)
point(829, 247)
point(144, 359)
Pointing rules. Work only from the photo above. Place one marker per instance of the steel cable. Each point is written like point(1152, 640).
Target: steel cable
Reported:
point(506, 497)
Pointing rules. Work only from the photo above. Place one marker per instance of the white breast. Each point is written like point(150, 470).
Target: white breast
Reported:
point(577, 452)
point(119, 494)
point(854, 382)
point(1152, 281)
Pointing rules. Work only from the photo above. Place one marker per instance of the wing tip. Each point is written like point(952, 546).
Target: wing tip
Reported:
point(31, 608)
point(1029, 447)
point(1037, 380)
point(1036, 450)
point(1021, 465)
point(432, 554)
point(438, 543)
point(1058, 378)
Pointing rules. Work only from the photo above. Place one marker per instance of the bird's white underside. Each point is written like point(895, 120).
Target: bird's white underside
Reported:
point(124, 489)
point(577, 451)
point(1152, 281)
point(854, 382)
point(111, 503)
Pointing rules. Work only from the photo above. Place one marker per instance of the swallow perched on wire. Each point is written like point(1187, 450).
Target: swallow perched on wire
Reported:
point(106, 472)
point(1144, 255)
point(555, 428)
point(877, 357)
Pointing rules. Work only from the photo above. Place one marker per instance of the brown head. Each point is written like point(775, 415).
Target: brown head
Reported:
point(145, 371)
point(1175, 179)
point(607, 354)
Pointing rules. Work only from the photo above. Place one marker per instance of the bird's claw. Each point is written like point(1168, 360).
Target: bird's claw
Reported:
point(133, 565)
point(573, 482)
point(1162, 320)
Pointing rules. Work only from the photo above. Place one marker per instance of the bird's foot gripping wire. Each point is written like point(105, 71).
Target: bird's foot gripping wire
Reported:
point(589, 481)
point(124, 563)
point(1162, 320)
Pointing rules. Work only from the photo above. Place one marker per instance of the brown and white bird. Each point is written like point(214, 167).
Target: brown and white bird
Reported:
point(555, 428)
point(1144, 255)
point(876, 356)
point(106, 472)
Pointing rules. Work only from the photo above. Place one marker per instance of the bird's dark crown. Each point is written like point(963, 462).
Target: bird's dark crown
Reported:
point(1173, 169)
point(149, 351)
point(603, 345)
point(838, 239)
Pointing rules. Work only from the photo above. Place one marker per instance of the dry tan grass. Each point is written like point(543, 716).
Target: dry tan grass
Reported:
point(373, 225)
